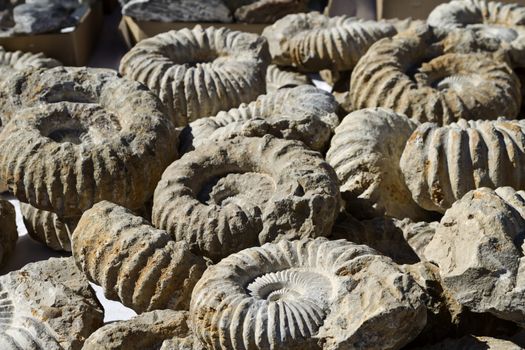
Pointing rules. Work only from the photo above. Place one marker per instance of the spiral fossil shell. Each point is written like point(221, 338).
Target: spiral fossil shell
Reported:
point(278, 78)
point(11, 61)
point(83, 135)
point(412, 74)
point(135, 263)
point(235, 194)
point(306, 294)
point(303, 113)
point(312, 42)
point(199, 72)
point(441, 164)
point(8, 231)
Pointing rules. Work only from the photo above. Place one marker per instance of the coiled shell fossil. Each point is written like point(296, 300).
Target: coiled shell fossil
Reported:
point(412, 74)
point(135, 263)
point(11, 61)
point(81, 136)
point(312, 42)
point(303, 113)
point(441, 164)
point(278, 78)
point(199, 72)
point(306, 294)
point(235, 194)
point(8, 231)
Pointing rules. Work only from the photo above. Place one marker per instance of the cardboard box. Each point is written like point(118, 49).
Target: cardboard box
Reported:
point(134, 31)
point(72, 48)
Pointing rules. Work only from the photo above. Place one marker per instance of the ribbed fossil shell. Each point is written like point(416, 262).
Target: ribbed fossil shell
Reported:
point(441, 164)
point(235, 194)
point(278, 78)
point(135, 263)
point(303, 113)
point(365, 153)
point(306, 294)
point(199, 72)
point(312, 42)
point(11, 61)
point(82, 135)
point(47, 228)
point(412, 74)
point(8, 232)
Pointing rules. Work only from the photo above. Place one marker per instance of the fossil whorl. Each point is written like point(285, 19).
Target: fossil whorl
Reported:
point(303, 113)
point(199, 72)
point(412, 74)
point(365, 153)
point(11, 61)
point(312, 42)
point(80, 136)
point(133, 262)
point(279, 77)
point(230, 195)
point(441, 164)
point(8, 231)
point(47, 228)
point(306, 294)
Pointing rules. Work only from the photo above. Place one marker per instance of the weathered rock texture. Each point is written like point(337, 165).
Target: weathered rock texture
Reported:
point(82, 135)
point(39, 18)
point(312, 42)
point(412, 73)
point(303, 113)
point(199, 72)
point(177, 10)
point(365, 153)
point(473, 343)
point(47, 305)
point(478, 247)
point(279, 77)
point(441, 164)
point(47, 228)
point(269, 11)
point(135, 263)
point(307, 294)
point(236, 194)
point(417, 234)
point(8, 231)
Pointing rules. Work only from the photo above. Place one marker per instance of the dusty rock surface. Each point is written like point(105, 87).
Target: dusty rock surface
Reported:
point(177, 10)
point(269, 11)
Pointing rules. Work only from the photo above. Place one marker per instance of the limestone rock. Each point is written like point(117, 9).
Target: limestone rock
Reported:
point(133, 262)
point(47, 305)
point(199, 72)
point(441, 164)
point(303, 113)
point(279, 78)
point(82, 135)
point(177, 10)
point(224, 197)
point(306, 294)
point(312, 42)
point(365, 153)
point(405, 24)
point(413, 73)
point(39, 18)
point(8, 231)
point(417, 234)
point(471, 342)
point(269, 11)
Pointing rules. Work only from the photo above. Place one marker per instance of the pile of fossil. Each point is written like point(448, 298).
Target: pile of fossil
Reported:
point(213, 189)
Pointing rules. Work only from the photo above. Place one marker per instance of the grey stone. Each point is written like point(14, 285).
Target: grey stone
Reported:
point(39, 18)
point(269, 11)
point(177, 10)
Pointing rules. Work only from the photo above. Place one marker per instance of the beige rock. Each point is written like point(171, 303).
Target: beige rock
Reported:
point(136, 264)
point(82, 135)
point(441, 164)
point(471, 342)
point(269, 11)
point(199, 72)
point(8, 231)
point(417, 234)
point(303, 113)
point(280, 77)
point(236, 194)
point(13, 61)
point(177, 10)
point(47, 305)
point(405, 24)
point(307, 294)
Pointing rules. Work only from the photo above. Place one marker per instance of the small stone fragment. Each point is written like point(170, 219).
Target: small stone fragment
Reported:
point(269, 11)
point(8, 231)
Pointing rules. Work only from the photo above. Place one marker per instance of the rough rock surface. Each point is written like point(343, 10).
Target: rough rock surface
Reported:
point(473, 343)
point(199, 72)
point(365, 153)
point(12, 61)
point(441, 164)
point(8, 231)
point(269, 11)
point(236, 194)
point(47, 305)
point(312, 42)
point(417, 234)
point(135, 263)
point(303, 113)
point(279, 78)
point(177, 10)
point(39, 18)
point(82, 135)
point(307, 294)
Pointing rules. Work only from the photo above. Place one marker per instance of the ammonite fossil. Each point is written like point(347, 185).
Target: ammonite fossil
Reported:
point(142, 267)
point(8, 231)
point(47, 305)
point(303, 113)
point(312, 42)
point(306, 294)
point(12, 61)
point(82, 135)
point(413, 74)
point(279, 77)
point(441, 164)
point(239, 193)
point(199, 72)
point(365, 153)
